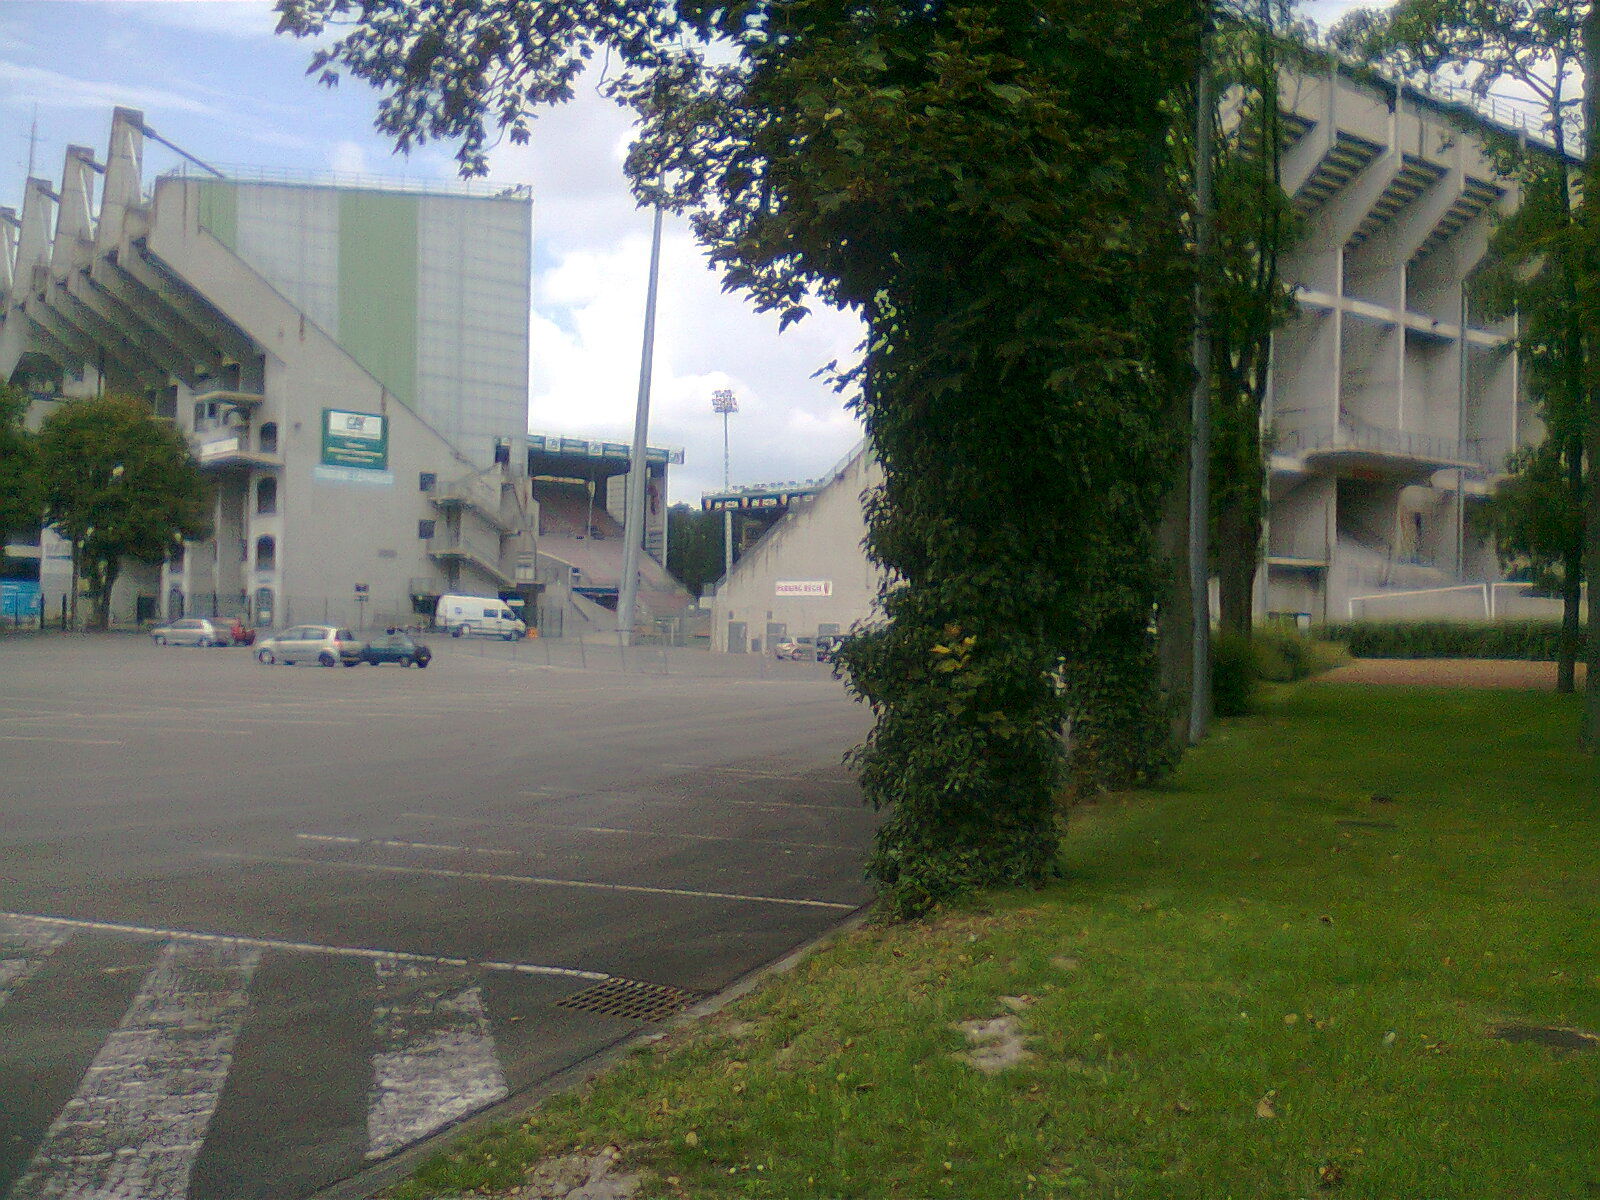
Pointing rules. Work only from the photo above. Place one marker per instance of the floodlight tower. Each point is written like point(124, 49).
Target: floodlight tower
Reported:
point(723, 401)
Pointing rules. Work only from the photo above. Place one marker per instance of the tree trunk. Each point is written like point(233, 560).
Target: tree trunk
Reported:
point(1589, 733)
point(1589, 736)
point(102, 598)
point(1570, 649)
point(1238, 540)
point(1175, 618)
point(72, 593)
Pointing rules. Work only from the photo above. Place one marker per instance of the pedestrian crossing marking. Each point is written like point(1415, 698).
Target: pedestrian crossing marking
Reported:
point(24, 945)
point(134, 1128)
point(185, 935)
point(436, 1061)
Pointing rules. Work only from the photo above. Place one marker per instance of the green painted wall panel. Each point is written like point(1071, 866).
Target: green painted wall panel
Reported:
point(219, 211)
point(378, 286)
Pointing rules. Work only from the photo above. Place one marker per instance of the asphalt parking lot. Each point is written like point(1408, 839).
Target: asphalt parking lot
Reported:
point(264, 927)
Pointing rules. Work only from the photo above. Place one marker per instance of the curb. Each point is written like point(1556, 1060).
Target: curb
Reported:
point(368, 1182)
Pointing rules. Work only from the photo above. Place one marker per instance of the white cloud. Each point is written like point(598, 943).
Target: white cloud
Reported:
point(240, 19)
point(591, 242)
point(348, 158)
point(21, 84)
point(587, 342)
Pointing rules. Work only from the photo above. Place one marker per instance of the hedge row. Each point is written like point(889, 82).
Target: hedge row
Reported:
point(1272, 655)
point(1533, 640)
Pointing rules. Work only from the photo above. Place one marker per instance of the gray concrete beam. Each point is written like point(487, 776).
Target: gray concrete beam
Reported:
point(186, 303)
point(107, 339)
point(71, 347)
point(159, 349)
point(151, 309)
point(9, 225)
point(124, 178)
point(72, 246)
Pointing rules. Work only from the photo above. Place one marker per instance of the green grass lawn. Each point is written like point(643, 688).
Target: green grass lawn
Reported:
point(1278, 977)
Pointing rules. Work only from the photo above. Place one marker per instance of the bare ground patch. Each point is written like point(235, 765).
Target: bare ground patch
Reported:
point(1451, 672)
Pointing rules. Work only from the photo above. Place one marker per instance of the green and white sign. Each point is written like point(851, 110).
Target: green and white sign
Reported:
point(355, 440)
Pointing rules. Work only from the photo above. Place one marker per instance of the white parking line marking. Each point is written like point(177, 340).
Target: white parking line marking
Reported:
point(644, 833)
point(723, 770)
point(488, 877)
point(394, 844)
point(139, 1118)
point(185, 935)
point(36, 940)
point(436, 1060)
point(62, 741)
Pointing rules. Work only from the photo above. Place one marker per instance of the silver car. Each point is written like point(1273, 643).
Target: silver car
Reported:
point(325, 645)
point(192, 631)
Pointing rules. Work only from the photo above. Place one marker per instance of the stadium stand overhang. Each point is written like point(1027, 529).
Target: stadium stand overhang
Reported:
point(588, 459)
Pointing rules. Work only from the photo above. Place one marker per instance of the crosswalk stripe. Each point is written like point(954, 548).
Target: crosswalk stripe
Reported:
point(221, 939)
point(436, 1061)
point(24, 945)
point(139, 1117)
point(534, 880)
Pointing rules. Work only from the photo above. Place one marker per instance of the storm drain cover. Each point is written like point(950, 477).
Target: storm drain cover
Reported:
point(629, 999)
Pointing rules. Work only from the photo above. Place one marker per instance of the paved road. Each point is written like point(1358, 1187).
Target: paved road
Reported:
point(261, 927)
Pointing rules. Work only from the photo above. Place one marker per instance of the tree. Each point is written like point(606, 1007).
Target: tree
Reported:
point(20, 502)
point(982, 182)
point(1531, 518)
point(118, 484)
point(1254, 225)
point(694, 546)
point(1545, 261)
point(1534, 260)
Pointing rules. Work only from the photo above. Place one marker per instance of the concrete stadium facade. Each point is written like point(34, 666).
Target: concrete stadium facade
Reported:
point(349, 364)
point(1392, 406)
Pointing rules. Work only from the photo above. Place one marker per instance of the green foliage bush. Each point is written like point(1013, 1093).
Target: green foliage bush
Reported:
point(1234, 675)
point(1239, 664)
point(1532, 640)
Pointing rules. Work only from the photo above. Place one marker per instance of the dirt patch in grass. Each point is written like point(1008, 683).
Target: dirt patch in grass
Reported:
point(1451, 672)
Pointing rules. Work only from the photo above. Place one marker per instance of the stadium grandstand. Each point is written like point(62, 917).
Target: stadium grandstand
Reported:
point(579, 487)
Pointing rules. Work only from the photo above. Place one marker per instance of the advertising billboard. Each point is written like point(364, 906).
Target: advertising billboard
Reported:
point(358, 441)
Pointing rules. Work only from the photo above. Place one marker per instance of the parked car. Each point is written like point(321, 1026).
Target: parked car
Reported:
point(240, 633)
point(396, 648)
point(191, 631)
point(326, 645)
point(797, 648)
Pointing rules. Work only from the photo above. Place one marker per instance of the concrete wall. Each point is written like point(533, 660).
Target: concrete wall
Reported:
point(334, 528)
point(245, 313)
point(819, 543)
point(1386, 388)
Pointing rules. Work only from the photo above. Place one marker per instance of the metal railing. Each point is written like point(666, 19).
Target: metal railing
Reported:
point(1482, 456)
point(444, 186)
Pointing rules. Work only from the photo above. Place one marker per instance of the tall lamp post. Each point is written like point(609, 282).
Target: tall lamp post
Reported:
point(724, 402)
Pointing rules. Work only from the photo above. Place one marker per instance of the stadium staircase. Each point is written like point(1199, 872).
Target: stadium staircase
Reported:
point(595, 561)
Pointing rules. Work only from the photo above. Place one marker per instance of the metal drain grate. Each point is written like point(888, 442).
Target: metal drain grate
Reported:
point(629, 999)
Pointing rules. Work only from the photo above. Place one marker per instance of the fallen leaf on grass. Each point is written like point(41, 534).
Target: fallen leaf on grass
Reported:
point(1330, 1175)
point(1264, 1108)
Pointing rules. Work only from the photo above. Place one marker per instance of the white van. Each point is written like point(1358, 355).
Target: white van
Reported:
point(465, 616)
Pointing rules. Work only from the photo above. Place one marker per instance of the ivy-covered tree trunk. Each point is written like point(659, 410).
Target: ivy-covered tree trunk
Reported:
point(1024, 421)
point(985, 183)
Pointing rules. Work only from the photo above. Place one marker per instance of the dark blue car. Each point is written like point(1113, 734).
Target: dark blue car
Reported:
point(396, 648)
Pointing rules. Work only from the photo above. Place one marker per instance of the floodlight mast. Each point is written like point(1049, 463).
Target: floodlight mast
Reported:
point(724, 402)
point(638, 474)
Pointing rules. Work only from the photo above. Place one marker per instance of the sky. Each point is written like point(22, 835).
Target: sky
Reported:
point(212, 76)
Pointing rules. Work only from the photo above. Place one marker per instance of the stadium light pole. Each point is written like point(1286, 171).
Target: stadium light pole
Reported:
point(724, 402)
point(1200, 402)
point(633, 527)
